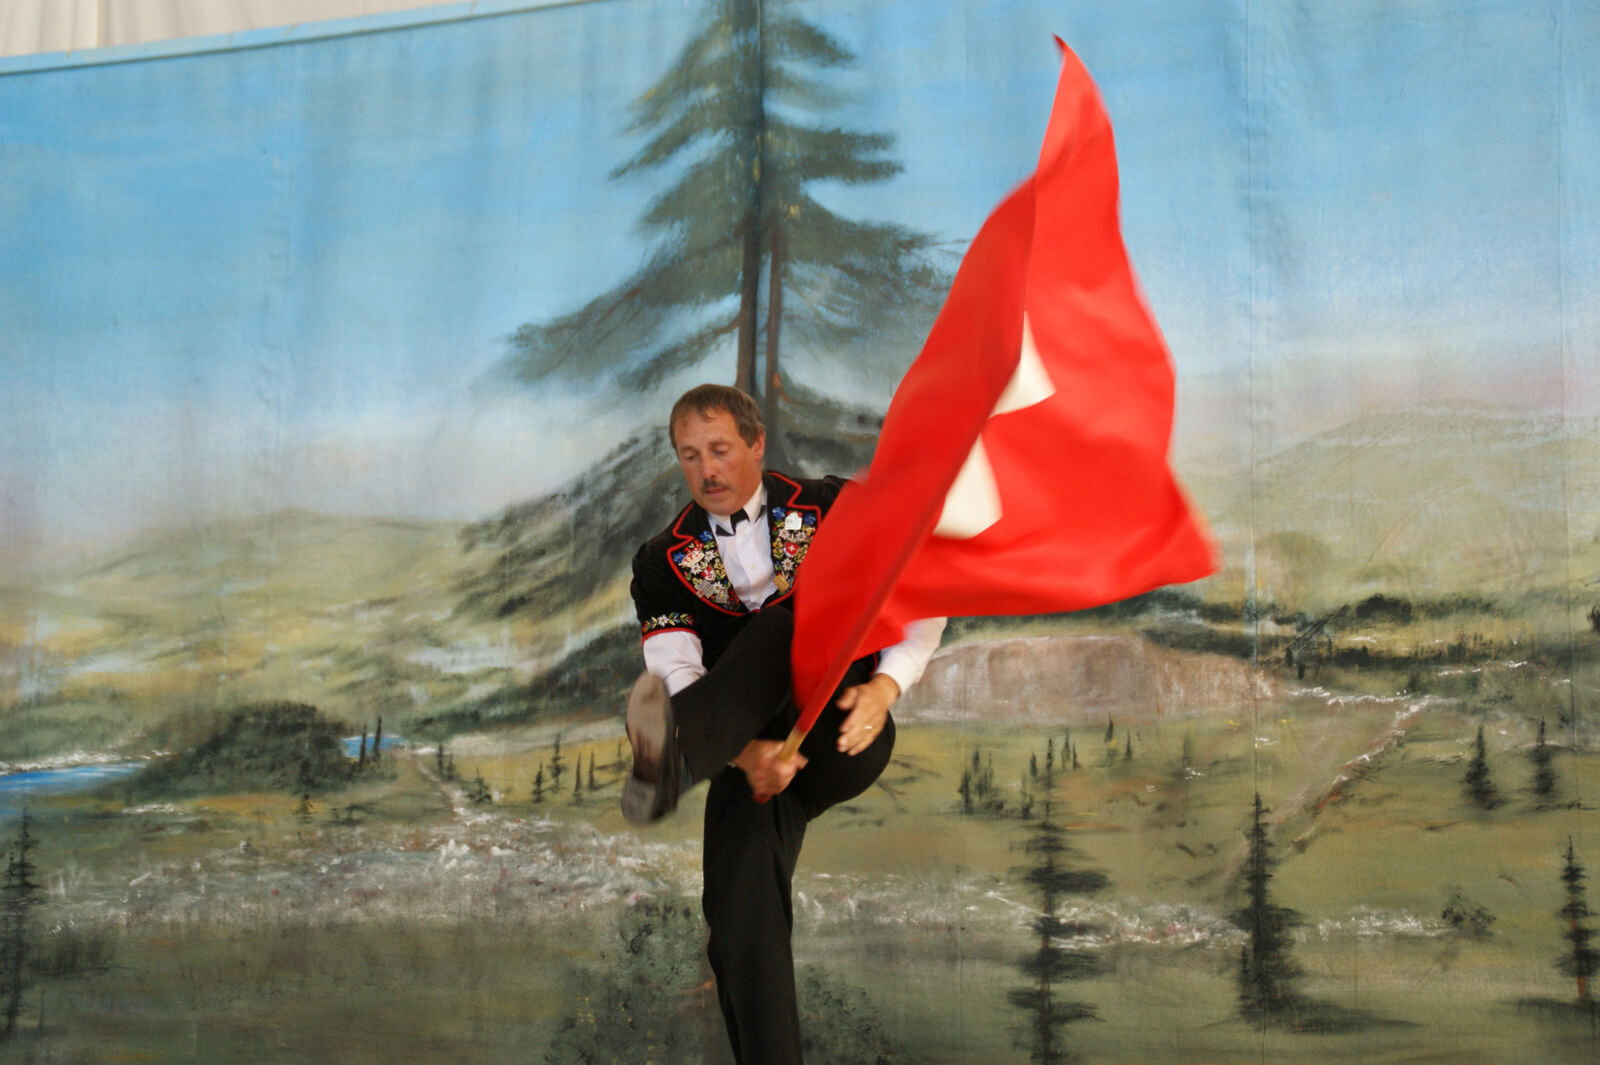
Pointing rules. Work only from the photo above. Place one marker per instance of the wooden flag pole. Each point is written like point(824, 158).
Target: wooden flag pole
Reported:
point(791, 746)
point(813, 710)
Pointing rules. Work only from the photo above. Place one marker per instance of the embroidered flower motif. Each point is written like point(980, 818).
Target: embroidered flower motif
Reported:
point(701, 566)
point(674, 620)
point(791, 536)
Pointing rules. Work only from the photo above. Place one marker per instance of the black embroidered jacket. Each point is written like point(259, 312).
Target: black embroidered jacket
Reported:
point(678, 579)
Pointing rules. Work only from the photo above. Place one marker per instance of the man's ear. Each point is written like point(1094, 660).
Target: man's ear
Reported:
point(760, 446)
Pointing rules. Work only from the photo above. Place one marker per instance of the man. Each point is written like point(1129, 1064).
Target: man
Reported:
point(713, 592)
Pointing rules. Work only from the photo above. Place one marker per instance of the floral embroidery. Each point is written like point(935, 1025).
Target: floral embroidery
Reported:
point(674, 620)
point(701, 563)
point(791, 536)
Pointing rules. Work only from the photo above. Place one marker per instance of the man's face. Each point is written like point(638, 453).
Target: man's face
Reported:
point(721, 469)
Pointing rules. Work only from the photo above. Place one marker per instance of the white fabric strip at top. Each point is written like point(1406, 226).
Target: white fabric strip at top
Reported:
point(973, 502)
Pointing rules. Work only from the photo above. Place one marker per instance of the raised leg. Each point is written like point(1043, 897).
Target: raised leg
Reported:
point(739, 697)
point(701, 728)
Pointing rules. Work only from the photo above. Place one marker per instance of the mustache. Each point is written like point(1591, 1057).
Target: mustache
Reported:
point(712, 486)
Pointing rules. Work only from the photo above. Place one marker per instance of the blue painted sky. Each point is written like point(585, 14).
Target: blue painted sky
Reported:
point(241, 279)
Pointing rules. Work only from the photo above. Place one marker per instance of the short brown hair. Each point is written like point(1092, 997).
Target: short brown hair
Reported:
point(706, 400)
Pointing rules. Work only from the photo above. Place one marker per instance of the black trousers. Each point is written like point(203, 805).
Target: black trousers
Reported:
point(750, 848)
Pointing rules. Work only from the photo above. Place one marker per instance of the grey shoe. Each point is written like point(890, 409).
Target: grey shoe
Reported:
point(652, 791)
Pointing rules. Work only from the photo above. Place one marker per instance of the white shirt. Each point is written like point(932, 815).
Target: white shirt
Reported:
point(747, 551)
point(676, 656)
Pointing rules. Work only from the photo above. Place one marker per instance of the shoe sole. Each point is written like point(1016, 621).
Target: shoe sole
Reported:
point(650, 724)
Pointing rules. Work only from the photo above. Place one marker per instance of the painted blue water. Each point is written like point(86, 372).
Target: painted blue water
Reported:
point(19, 789)
point(352, 745)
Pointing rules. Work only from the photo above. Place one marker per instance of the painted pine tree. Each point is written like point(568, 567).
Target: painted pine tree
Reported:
point(736, 133)
point(1544, 774)
point(19, 894)
point(1060, 956)
point(1476, 783)
point(556, 766)
point(1580, 959)
point(1266, 971)
point(977, 787)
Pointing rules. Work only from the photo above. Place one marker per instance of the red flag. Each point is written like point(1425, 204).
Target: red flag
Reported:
point(1022, 467)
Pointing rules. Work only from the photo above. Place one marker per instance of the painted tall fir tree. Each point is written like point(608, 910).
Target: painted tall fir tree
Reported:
point(1544, 774)
point(1060, 955)
point(1580, 959)
point(742, 127)
point(1476, 783)
point(19, 894)
point(1266, 970)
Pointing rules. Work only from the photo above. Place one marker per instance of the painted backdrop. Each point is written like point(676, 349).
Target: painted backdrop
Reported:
point(331, 381)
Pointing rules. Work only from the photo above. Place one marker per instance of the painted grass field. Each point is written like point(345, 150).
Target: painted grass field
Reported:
point(402, 921)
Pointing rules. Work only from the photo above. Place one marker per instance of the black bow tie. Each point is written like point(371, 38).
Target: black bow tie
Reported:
point(733, 521)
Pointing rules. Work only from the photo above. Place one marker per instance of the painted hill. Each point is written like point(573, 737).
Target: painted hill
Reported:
point(1077, 680)
point(1429, 502)
point(271, 746)
point(354, 615)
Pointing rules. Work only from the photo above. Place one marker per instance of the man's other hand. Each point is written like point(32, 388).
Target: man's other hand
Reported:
point(869, 707)
point(766, 774)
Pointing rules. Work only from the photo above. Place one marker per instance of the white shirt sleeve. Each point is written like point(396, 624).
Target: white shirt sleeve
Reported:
point(904, 662)
point(675, 657)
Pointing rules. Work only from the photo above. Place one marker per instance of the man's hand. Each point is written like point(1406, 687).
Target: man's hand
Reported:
point(869, 707)
point(765, 773)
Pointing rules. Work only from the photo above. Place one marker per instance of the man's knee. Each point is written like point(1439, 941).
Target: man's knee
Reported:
point(831, 776)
